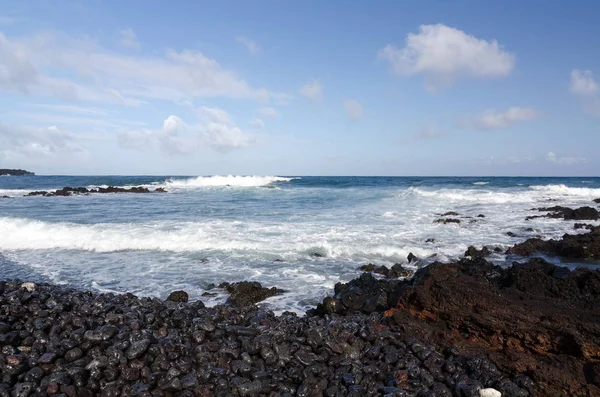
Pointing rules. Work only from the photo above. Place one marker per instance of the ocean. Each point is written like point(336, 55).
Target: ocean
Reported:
point(302, 234)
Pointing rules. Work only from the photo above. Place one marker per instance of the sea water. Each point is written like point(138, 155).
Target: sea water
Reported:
point(301, 234)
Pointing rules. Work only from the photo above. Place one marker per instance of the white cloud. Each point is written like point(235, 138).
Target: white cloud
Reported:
point(257, 123)
point(312, 90)
point(216, 130)
point(444, 54)
point(220, 131)
point(585, 86)
point(129, 39)
point(553, 158)
point(492, 119)
point(166, 139)
point(250, 45)
point(268, 112)
point(583, 83)
point(354, 109)
point(23, 142)
point(38, 64)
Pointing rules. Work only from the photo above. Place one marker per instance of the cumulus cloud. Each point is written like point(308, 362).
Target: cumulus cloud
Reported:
point(553, 158)
point(23, 142)
point(216, 130)
point(443, 54)
point(268, 112)
point(220, 131)
point(312, 90)
point(38, 65)
point(129, 39)
point(250, 45)
point(354, 109)
point(166, 139)
point(492, 119)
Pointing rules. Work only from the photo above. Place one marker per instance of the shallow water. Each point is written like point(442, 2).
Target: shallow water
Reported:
point(230, 228)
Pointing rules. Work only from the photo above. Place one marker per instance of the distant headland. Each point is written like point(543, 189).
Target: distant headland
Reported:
point(15, 172)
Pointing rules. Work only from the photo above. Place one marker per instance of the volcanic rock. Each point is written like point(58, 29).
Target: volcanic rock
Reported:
point(178, 296)
point(575, 246)
point(4, 171)
point(247, 293)
point(578, 214)
point(476, 254)
point(447, 220)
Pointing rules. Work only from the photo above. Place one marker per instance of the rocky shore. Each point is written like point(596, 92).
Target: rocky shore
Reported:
point(70, 191)
point(4, 171)
point(467, 328)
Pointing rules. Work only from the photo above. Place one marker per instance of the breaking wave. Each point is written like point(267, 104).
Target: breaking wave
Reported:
point(229, 180)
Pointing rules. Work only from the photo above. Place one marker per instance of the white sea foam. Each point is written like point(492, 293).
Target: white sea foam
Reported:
point(229, 180)
point(563, 190)
point(480, 183)
point(151, 247)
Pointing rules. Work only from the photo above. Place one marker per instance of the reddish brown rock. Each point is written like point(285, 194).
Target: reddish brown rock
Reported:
point(534, 319)
point(574, 246)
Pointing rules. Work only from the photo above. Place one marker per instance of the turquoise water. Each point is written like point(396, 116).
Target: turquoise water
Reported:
point(214, 229)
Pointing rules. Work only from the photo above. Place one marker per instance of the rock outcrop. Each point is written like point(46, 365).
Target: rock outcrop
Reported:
point(70, 191)
point(574, 246)
point(5, 171)
point(248, 293)
point(534, 319)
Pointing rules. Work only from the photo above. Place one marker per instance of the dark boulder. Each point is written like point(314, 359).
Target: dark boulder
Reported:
point(447, 220)
point(574, 246)
point(5, 171)
point(178, 296)
point(475, 253)
point(569, 214)
point(247, 293)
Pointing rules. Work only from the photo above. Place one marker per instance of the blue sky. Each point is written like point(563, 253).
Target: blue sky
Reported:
point(300, 87)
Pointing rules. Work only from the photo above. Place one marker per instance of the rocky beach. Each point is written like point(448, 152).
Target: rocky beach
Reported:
point(465, 328)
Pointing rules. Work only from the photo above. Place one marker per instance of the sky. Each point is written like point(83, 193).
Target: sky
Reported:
point(273, 87)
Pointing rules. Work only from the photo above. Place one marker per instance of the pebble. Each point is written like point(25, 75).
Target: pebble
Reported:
point(71, 343)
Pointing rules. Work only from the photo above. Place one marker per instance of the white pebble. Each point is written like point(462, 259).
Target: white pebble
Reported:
point(489, 393)
point(28, 286)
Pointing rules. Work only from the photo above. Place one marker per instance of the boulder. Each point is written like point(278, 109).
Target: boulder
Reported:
point(578, 214)
point(574, 246)
point(178, 296)
point(447, 220)
point(248, 293)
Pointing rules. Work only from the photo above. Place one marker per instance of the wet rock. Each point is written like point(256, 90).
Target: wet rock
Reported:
point(583, 226)
point(447, 220)
point(248, 293)
point(411, 257)
point(451, 213)
point(367, 268)
point(430, 240)
point(400, 271)
point(103, 333)
point(578, 246)
point(137, 348)
point(477, 254)
point(178, 296)
point(578, 214)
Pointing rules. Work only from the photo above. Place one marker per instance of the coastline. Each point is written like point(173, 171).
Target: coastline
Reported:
point(453, 329)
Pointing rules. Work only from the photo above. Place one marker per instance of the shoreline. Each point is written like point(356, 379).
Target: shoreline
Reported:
point(453, 329)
